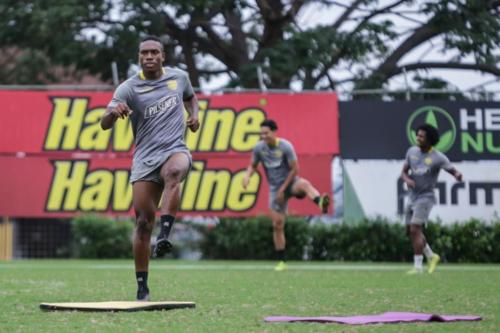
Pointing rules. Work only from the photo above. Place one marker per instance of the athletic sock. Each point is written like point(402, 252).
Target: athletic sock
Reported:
point(166, 223)
point(317, 199)
point(417, 260)
point(280, 255)
point(428, 252)
point(142, 279)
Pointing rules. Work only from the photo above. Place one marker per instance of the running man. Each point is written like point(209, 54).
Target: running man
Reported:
point(280, 164)
point(154, 100)
point(420, 173)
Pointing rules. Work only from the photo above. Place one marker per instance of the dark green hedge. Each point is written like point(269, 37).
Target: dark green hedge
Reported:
point(369, 240)
point(251, 239)
point(101, 237)
point(376, 240)
point(474, 241)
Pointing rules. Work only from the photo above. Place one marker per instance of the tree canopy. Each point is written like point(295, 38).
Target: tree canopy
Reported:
point(347, 43)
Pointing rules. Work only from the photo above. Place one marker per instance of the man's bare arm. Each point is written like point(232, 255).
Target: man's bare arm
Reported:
point(192, 109)
point(457, 174)
point(121, 110)
point(406, 176)
point(250, 171)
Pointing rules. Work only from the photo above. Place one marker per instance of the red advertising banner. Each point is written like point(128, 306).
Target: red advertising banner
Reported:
point(56, 161)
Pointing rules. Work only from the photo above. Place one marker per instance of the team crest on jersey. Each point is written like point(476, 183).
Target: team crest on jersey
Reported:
point(172, 84)
point(163, 105)
point(278, 153)
point(428, 160)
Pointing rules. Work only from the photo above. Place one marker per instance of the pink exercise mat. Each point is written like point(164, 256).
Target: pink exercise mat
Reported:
point(387, 317)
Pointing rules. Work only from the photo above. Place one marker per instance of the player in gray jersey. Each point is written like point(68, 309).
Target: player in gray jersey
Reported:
point(154, 100)
point(280, 164)
point(420, 173)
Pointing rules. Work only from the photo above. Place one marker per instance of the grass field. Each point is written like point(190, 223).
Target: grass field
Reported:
point(236, 296)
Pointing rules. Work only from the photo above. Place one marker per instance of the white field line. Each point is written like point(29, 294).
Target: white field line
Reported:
point(243, 267)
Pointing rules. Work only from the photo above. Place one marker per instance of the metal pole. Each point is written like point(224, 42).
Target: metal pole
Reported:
point(408, 97)
point(114, 71)
point(260, 77)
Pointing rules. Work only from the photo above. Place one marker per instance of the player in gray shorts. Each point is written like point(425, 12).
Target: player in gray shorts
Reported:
point(154, 100)
point(420, 173)
point(280, 164)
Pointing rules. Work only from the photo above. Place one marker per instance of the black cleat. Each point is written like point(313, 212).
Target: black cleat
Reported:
point(324, 203)
point(162, 247)
point(143, 294)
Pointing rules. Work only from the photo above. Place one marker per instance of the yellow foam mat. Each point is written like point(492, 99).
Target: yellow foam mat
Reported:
point(116, 306)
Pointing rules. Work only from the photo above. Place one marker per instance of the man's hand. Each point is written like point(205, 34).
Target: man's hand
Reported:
point(245, 181)
point(410, 183)
point(280, 197)
point(193, 123)
point(121, 110)
point(458, 176)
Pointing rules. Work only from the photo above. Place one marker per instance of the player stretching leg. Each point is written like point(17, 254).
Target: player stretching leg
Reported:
point(154, 100)
point(280, 164)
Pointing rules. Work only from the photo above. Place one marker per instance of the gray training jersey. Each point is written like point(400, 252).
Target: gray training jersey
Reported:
point(275, 161)
point(424, 170)
point(158, 117)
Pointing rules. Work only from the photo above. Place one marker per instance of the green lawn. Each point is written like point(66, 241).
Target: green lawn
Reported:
point(236, 296)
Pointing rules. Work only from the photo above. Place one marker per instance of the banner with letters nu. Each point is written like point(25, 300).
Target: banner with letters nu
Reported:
point(376, 135)
point(56, 161)
point(470, 131)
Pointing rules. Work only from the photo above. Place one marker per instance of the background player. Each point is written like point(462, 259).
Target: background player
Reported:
point(280, 164)
point(420, 173)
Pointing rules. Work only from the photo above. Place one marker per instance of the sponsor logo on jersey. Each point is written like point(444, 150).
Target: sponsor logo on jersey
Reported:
point(272, 164)
point(165, 104)
point(420, 170)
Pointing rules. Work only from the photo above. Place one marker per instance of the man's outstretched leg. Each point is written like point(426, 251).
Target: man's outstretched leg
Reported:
point(417, 215)
point(418, 244)
point(279, 240)
point(173, 173)
point(421, 248)
point(433, 259)
point(145, 196)
point(303, 187)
